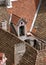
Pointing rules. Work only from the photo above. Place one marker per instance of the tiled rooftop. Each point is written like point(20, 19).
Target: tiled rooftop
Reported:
point(40, 24)
point(7, 42)
point(15, 19)
point(3, 14)
point(29, 57)
point(41, 58)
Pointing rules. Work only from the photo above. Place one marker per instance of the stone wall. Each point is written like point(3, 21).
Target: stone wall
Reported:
point(19, 51)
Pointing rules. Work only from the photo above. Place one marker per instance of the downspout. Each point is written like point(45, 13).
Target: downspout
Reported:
point(10, 18)
point(35, 16)
point(9, 22)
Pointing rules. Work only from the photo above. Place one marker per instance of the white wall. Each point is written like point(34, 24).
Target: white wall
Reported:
point(4, 25)
point(10, 3)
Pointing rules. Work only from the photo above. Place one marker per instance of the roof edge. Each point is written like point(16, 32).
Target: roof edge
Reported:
point(19, 39)
point(35, 16)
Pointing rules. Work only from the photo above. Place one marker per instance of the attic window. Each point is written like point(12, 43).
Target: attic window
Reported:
point(22, 30)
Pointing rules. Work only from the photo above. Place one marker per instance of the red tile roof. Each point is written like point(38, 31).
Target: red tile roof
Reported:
point(40, 24)
point(15, 19)
point(25, 9)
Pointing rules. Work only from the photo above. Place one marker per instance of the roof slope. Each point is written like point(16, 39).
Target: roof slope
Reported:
point(29, 57)
point(15, 19)
point(40, 24)
point(7, 42)
point(3, 13)
point(25, 9)
point(41, 58)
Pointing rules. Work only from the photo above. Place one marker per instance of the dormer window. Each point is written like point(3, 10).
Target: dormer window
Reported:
point(22, 27)
point(21, 30)
point(19, 25)
point(21, 22)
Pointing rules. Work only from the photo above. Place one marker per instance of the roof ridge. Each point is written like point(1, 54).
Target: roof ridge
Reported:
point(9, 33)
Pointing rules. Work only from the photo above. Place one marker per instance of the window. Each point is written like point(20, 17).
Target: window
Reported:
point(22, 30)
point(35, 42)
point(36, 45)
